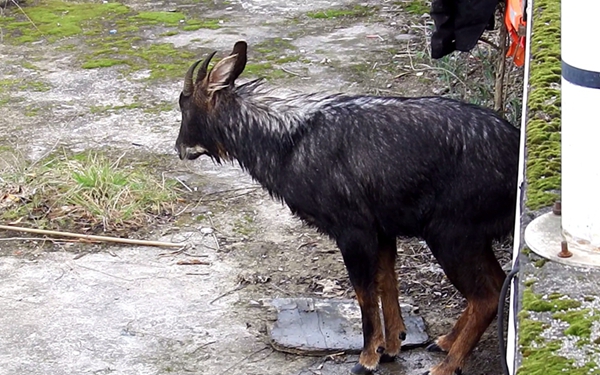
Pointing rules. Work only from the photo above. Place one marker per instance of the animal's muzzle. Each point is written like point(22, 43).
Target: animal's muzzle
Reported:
point(189, 153)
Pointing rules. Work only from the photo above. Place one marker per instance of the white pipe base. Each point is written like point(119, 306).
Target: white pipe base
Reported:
point(544, 236)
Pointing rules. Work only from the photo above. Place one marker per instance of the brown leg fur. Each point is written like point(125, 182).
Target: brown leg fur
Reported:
point(478, 315)
point(374, 344)
point(495, 284)
point(479, 277)
point(387, 283)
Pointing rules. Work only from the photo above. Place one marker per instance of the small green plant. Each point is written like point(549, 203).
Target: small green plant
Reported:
point(159, 18)
point(416, 7)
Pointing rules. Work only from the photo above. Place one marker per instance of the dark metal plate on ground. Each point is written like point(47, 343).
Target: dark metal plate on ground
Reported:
point(321, 326)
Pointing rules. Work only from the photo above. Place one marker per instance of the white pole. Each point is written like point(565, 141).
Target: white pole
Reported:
point(581, 123)
point(511, 334)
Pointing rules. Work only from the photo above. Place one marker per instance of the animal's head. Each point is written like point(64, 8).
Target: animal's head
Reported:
point(202, 102)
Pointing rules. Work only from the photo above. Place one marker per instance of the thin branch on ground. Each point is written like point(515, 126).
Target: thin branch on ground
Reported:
point(90, 237)
point(238, 287)
point(214, 236)
point(183, 184)
point(290, 72)
point(492, 44)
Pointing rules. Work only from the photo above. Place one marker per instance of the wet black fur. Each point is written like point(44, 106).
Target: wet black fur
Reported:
point(407, 167)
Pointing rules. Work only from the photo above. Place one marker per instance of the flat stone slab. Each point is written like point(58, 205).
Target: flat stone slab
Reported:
point(312, 326)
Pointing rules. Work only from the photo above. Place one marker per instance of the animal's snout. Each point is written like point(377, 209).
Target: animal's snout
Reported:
point(189, 153)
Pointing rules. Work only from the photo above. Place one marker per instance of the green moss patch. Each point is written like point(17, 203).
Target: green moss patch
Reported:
point(273, 46)
point(416, 7)
point(9, 84)
point(264, 70)
point(162, 59)
point(101, 63)
point(554, 302)
point(58, 19)
point(539, 355)
point(354, 12)
point(277, 51)
point(149, 108)
point(159, 18)
point(543, 126)
point(530, 331)
point(543, 360)
point(580, 322)
point(108, 30)
point(193, 25)
point(55, 19)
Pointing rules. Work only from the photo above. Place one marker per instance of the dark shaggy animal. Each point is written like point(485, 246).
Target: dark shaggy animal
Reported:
point(365, 170)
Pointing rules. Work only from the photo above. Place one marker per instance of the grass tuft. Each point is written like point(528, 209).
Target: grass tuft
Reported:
point(88, 192)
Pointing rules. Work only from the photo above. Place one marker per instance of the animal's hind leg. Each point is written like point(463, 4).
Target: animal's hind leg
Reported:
point(387, 281)
point(359, 249)
point(476, 273)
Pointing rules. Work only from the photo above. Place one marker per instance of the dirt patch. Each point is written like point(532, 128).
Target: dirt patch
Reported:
point(95, 88)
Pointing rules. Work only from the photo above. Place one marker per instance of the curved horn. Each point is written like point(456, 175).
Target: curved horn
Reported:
point(204, 68)
point(188, 81)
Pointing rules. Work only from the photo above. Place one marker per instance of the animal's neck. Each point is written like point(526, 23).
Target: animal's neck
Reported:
point(260, 137)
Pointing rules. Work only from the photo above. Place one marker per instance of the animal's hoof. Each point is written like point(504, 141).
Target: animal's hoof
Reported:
point(402, 336)
point(434, 348)
point(359, 369)
point(386, 358)
point(380, 350)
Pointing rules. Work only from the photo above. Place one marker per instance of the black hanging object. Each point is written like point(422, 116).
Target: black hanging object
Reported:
point(459, 24)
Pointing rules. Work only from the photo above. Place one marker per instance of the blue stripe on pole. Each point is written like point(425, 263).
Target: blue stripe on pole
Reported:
point(581, 77)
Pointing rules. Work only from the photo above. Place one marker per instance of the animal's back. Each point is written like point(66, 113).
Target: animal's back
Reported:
point(404, 164)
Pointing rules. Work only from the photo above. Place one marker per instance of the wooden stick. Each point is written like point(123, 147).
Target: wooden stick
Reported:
point(90, 237)
point(500, 72)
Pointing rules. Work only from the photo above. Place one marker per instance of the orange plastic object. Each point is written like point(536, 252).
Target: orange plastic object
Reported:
point(516, 26)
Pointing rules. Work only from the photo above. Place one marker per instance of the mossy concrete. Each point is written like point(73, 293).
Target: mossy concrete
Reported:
point(558, 329)
point(543, 125)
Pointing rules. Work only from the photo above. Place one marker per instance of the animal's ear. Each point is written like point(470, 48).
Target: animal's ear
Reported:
point(240, 49)
point(227, 70)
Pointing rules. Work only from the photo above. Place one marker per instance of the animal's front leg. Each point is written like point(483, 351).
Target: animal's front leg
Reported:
point(359, 249)
point(387, 281)
point(374, 345)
